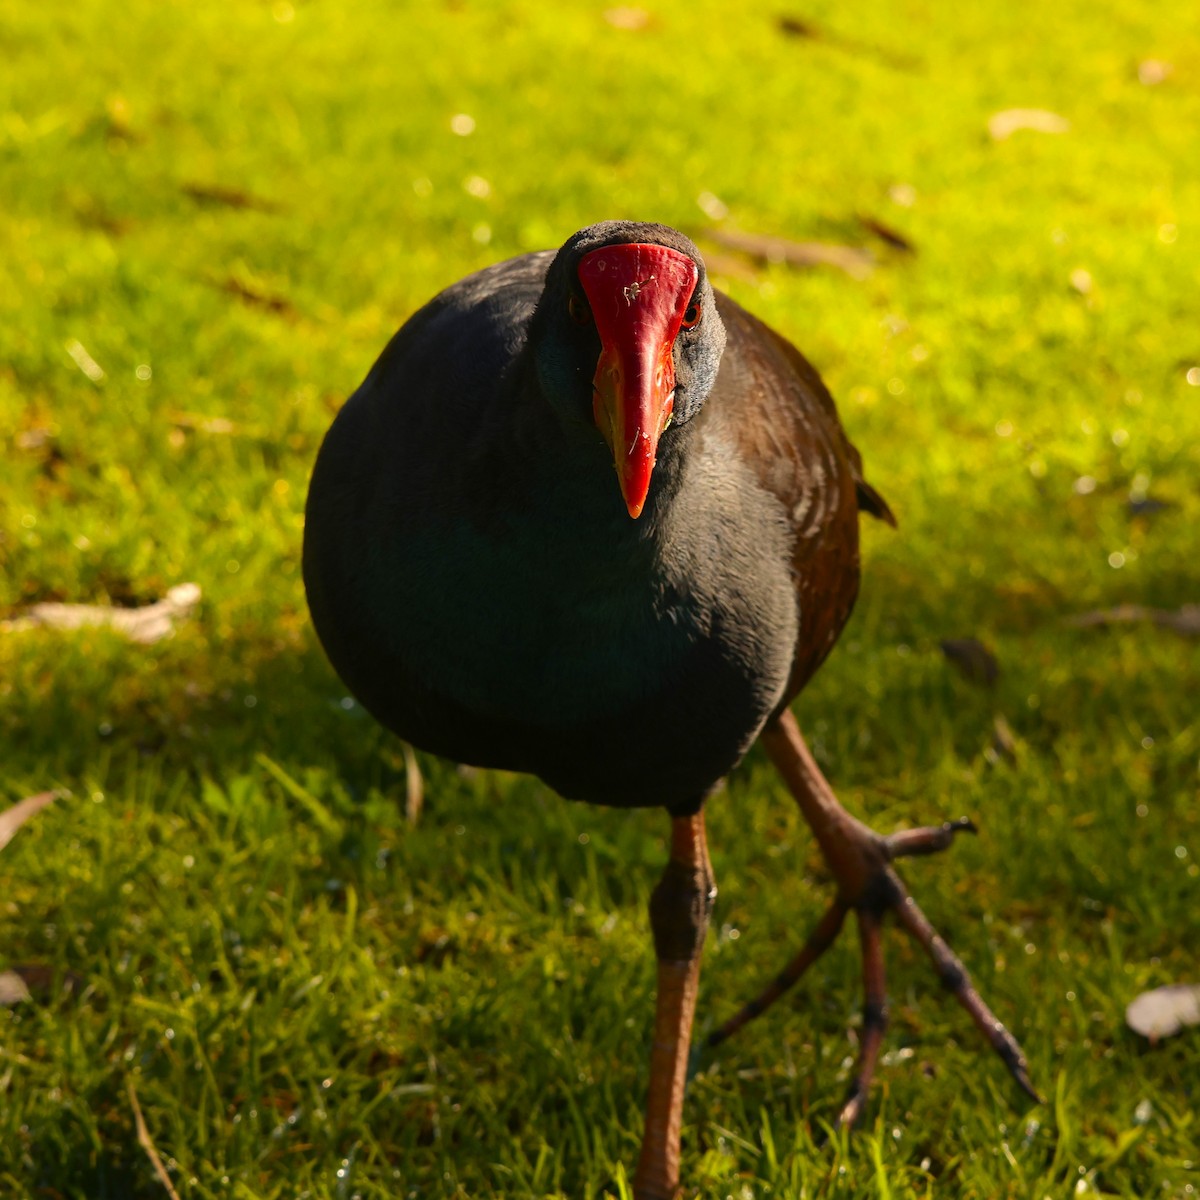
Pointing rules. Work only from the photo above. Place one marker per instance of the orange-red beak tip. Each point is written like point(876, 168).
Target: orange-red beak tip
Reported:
point(634, 476)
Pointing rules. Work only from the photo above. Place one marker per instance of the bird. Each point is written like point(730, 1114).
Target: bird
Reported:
point(589, 519)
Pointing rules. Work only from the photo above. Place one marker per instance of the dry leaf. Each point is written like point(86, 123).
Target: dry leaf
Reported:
point(712, 206)
point(804, 30)
point(150, 623)
point(893, 237)
point(797, 28)
point(11, 819)
point(1152, 71)
point(624, 17)
point(972, 658)
point(414, 786)
point(253, 292)
point(1004, 744)
point(855, 261)
point(84, 361)
point(203, 424)
point(12, 989)
point(1081, 280)
point(34, 982)
point(1004, 124)
point(231, 197)
point(1164, 1011)
point(1184, 621)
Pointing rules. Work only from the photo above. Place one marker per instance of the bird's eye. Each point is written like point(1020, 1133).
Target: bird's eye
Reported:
point(580, 313)
point(691, 318)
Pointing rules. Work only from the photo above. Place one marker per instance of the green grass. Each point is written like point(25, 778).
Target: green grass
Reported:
point(312, 998)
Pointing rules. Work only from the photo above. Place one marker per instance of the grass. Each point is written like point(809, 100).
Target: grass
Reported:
point(230, 208)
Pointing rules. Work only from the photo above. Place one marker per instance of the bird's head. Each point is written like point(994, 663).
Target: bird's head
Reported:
point(627, 337)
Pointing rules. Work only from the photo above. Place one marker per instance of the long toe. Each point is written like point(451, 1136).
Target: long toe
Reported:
point(818, 942)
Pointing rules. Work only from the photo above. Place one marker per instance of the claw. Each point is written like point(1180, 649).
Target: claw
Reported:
point(912, 842)
point(956, 980)
point(875, 1016)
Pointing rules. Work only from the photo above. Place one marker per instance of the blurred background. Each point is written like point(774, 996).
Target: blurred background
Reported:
point(980, 224)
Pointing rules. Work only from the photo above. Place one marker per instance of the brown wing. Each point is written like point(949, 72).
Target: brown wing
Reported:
point(785, 423)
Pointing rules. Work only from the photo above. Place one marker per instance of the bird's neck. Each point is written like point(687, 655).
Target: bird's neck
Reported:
point(571, 474)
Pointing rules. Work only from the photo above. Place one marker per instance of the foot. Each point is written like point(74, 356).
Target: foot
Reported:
point(868, 886)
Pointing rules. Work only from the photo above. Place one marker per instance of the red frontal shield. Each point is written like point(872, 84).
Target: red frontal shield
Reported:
point(638, 292)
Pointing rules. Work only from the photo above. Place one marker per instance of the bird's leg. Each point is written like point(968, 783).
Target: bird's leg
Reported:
point(860, 860)
point(679, 910)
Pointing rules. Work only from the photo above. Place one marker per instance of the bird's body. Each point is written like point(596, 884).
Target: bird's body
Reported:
point(492, 594)
point(488, 598)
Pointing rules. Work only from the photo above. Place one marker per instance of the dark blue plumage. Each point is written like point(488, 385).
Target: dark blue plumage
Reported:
point(478, 584)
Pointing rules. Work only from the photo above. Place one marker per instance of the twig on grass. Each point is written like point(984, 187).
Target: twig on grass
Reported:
point(854, 260)
point(143, 1137)
point(11, 819)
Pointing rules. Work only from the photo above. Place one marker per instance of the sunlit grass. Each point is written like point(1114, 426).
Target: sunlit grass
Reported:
point(229, 209)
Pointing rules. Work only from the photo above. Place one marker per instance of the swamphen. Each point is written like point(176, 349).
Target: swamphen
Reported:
point(489, 592)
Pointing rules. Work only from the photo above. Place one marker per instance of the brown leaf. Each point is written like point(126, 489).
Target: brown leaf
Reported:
point(972, 658)
point(854, 260)
point(1164, 1011)
point(230, 197)
point(149, 623)
point(886, 233)
point(1185, 620)
point(11, 819)
point(251, 292)
point(803, 30)
point(797, 28)
point(91, 215)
